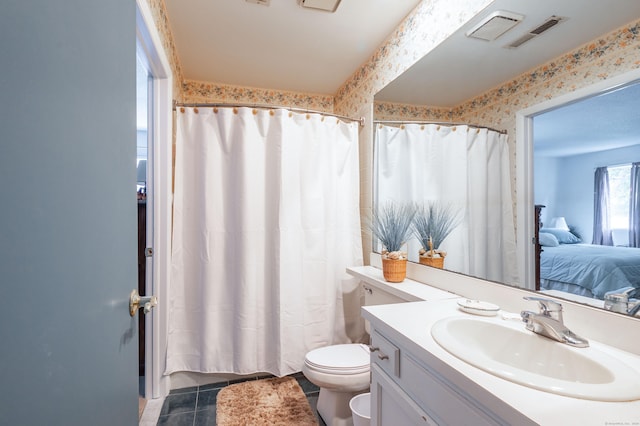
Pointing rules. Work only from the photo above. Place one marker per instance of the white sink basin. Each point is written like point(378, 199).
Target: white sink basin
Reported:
point(511, 352)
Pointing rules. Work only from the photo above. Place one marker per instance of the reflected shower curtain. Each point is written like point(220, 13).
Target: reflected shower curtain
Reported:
point(465, 167)
point(266, 221)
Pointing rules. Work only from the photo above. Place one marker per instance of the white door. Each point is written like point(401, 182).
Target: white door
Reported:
point(68, 347)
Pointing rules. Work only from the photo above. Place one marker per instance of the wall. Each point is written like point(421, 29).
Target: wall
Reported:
point(544, 186)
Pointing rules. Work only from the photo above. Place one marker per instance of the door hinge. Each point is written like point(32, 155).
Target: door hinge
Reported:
point(148, 252)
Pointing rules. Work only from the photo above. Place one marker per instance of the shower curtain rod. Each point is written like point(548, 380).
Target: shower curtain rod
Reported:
point(223, 105)
point(441, 123)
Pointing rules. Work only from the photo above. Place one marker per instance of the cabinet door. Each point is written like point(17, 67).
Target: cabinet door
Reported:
point(441, 400)
point(390, 405)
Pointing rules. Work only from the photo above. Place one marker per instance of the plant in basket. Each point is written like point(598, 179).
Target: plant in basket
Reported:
point(432, 223)
point(391, 224)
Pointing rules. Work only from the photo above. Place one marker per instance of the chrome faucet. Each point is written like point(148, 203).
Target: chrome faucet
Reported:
point(619, 301)
point(548, 322)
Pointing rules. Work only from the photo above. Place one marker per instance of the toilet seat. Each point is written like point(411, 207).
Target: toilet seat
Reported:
point(343, 359)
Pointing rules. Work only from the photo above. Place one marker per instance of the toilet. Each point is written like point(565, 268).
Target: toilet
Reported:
point(342, 371)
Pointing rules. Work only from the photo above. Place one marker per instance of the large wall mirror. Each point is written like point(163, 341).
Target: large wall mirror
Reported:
point(439, 99)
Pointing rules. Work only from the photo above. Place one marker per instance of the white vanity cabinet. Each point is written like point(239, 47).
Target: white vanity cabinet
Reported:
point(406, 391)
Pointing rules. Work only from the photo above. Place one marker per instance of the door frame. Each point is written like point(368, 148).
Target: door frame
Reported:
point(159, 205)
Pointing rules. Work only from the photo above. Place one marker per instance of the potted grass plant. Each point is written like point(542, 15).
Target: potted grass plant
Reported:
point(432, 223)
point(391, 224)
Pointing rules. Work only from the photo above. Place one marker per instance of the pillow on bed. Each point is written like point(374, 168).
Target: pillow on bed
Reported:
point(548, 240)
point(563, 237)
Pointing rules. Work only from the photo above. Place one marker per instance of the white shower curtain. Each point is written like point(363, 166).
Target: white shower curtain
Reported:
point(465, 167)
point(266, 221)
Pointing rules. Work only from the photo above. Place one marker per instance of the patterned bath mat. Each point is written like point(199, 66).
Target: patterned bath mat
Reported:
point(278, 401)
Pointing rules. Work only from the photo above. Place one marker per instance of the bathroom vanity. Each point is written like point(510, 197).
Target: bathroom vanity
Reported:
point(414, 380)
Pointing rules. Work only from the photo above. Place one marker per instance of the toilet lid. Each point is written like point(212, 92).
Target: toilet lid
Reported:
point(340, 359)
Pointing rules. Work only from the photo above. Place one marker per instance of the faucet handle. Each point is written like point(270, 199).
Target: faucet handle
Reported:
point(548, 307)
point(527, 318)
point(618, 300)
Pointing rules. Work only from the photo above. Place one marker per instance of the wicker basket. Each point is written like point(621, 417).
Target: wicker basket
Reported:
point(436, 262)
point(394, 270)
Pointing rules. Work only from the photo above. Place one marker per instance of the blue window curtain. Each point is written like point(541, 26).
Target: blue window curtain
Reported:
point(634, 207)
point(601, 229)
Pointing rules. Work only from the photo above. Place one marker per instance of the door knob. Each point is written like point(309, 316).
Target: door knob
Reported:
point(136, 302)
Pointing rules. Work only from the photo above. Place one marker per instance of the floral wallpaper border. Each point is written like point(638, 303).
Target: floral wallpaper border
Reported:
point(397, 111)
point(198, 91)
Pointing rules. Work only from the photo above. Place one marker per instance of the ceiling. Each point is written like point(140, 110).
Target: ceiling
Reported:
point(607, 121)
point(282, 46)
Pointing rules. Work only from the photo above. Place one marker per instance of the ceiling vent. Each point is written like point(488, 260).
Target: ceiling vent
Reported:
point(546, 25)
point(494, 25)
point(326, 5)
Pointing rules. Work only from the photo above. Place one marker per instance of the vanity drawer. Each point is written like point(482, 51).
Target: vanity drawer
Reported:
point(385, 354)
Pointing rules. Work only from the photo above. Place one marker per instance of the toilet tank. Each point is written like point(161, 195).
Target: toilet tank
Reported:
point(376, 296)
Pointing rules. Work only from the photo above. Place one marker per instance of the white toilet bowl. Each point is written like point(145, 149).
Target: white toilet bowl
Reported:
point(341, 372)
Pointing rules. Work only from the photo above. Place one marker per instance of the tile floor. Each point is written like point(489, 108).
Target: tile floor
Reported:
point(196, 406)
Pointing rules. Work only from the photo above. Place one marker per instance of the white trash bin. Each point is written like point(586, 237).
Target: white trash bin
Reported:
point(361, 409)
